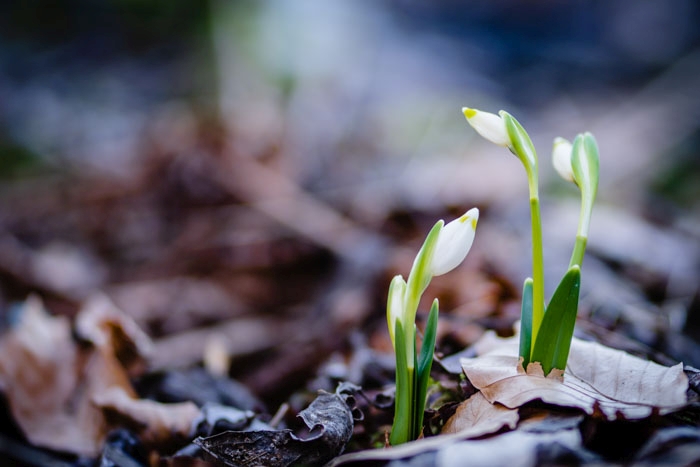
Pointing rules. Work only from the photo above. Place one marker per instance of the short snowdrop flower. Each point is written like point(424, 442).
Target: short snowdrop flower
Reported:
point(561, 159)
point(444, 248)
point(488, 125)
point(454, 242)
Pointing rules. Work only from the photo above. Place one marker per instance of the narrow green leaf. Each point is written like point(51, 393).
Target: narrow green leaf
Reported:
point(526, 322)
point(419, 277)
point(425, 363)
point(400, 430)
point(522, 144)
point(554, 338)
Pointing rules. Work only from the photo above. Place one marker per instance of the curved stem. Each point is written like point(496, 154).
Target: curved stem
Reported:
point(579, 250)
point(584, 220)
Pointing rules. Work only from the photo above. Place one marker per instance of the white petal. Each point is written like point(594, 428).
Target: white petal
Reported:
point(488, 125)
point(454, 242)
point(561, 159)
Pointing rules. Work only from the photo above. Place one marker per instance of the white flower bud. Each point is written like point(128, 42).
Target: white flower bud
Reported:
point(488, 125)
point(561, 159)
point(454, 242)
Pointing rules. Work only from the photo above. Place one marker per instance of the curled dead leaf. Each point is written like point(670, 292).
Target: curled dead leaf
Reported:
point(330, 421)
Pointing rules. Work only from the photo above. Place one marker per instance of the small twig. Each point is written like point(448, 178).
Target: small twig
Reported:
point(279, 415)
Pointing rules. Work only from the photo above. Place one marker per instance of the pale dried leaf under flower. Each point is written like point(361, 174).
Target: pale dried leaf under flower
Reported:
point(615, 382)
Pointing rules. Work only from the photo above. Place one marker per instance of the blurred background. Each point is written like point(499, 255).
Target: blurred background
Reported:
point(252, 173)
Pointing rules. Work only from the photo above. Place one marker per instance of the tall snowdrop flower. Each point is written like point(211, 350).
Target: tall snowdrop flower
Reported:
point(396, 305)
point(561, 159)
point(454, 242)
point(488, 125)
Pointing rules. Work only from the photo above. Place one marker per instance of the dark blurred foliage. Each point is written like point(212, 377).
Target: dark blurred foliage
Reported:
point(130, 55)
point(594, 45)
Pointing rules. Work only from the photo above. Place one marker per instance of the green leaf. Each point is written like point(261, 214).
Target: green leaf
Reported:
point(554, 338)
point(522, 144)
point(425, 363)
point(419, 277)
point(526, 322)
point(400, 430)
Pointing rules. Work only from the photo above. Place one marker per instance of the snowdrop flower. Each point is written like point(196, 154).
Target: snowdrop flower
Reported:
point(488, 125)
point(454, 242)
point(395, 304)
point(561, 159)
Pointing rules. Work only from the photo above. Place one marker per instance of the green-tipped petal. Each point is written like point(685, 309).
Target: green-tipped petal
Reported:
point(586, 165)
point(395, 305)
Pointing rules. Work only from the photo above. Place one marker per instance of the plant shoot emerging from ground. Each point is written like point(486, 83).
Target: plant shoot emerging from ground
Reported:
point(444, 249)
point(546, 332)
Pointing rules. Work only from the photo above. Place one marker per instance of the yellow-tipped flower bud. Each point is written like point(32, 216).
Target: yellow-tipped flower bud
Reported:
point(454, 242)
point(488, 125)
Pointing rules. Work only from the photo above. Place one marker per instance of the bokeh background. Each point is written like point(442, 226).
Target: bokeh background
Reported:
point(253, 173)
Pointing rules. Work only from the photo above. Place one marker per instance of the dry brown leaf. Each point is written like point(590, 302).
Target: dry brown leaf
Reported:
point(596, 376)
point(48, 381)
point(154, 422)
point(477, 417)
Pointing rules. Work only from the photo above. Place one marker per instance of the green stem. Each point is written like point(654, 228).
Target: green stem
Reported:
point(411, 402)
point(579, 250)
point(584, 220)
point(537, 262)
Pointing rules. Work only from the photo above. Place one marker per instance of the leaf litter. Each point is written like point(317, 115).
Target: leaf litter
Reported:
point(190, 265)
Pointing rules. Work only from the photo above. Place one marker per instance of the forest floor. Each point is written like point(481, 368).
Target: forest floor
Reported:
point(215, 293)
